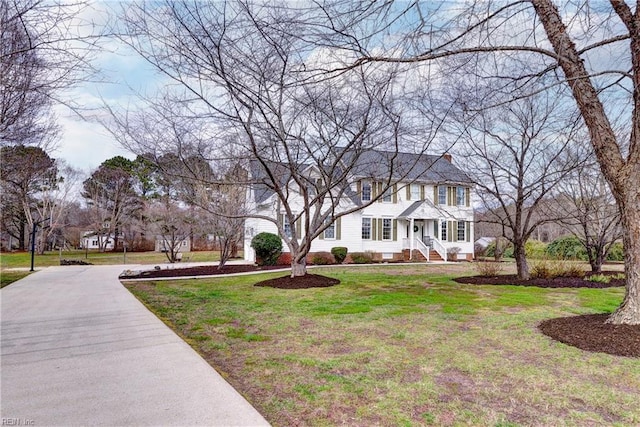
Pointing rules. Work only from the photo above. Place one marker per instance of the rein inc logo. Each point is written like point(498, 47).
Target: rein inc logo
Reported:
point(18, 422)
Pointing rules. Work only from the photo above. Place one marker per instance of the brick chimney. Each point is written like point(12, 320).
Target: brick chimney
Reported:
point(447, 157)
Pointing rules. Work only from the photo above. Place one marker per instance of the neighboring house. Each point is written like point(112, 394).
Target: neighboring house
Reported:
point(164, 244)
point(91, 240)
point(426, 215)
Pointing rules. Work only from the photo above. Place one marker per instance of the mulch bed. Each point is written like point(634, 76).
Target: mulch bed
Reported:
point(301, 282)
point(591, 333)
point(557, 282)
point(203, 270)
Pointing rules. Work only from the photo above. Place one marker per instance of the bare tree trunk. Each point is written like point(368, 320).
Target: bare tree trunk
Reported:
point(521, 261)
point(629, 311)
point(298, 266)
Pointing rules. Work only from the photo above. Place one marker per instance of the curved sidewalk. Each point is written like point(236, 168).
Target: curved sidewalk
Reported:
point(79, 349)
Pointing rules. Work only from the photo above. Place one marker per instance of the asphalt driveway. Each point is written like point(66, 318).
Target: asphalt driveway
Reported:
point(78, 349)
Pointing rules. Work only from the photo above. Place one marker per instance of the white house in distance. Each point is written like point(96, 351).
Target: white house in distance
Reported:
point(91, 240)
point(428, 217)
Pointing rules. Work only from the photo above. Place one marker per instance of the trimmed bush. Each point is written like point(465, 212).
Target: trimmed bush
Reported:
point(323, 258)
point(361, 258)
point(339, 253)
point(567, 247)
point(268, 247)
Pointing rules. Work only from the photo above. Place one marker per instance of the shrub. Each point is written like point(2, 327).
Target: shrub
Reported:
point(488, 269)
point(535, 249)
point(567, 247)
point(616, 253)
point(323, 258)
point(599, 278)
point(339, 253)
point(268, 247)
point(548, 269)
point(504, 249)
point(361, 258)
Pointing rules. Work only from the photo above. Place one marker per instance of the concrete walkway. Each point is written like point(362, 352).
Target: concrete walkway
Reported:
point(79, 349)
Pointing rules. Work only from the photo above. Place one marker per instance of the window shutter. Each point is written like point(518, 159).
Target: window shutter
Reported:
point(299, 227)
point(395, 193)
point(435, 194)
point(435, 229)
point(281, 220)
point(408, 188)
point(379, 228)
point(455, 231)
point(467, 196)
point(379, 184)
point(321, 236)
point(449, 232)
point(450, 200)
point(374, 229)
point(359, 189)
point(338, 231)
point(395, 230)
point(422, 192)
point(468, 231)
point(374, 190)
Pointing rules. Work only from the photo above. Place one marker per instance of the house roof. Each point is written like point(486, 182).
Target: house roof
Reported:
point(424, 168)
point(411, 209)
point(372, 164)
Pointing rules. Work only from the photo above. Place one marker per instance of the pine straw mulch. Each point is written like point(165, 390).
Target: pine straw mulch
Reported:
point(587, 332)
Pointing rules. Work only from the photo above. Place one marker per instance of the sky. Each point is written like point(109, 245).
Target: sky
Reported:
point(84, 143)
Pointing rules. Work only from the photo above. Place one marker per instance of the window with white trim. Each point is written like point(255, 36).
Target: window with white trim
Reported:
point(330, 231)
point(387, 196)
point(442, 195)
point(366, 228)
point(460, 196)
point(387, 224)
point(415, 191)
point(462, 228)
point(286, 226)
point(366, 191)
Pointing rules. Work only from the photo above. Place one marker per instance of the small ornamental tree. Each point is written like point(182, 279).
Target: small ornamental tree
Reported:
point(268, 247)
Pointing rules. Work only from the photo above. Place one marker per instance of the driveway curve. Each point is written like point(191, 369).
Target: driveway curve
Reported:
point(79, 349)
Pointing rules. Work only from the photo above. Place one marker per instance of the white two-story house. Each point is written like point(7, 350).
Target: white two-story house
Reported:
point(426, 214)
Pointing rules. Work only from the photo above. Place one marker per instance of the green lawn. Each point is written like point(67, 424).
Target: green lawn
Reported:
point(8, 277)
point(401, 345)
point(23, 259)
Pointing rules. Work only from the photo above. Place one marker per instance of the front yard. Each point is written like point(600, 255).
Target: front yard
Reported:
point(401, 345)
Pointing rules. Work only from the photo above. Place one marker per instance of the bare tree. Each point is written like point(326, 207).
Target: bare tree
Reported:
point(592, 48)
point(45, 48)
point(172, 225)
point(250, 75)
point(518, 153)
point(587, 208)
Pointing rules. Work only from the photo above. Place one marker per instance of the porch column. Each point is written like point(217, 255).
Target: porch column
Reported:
point(411, 239)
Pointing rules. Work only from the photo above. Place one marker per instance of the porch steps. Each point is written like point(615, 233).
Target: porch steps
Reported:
point(417, 255)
